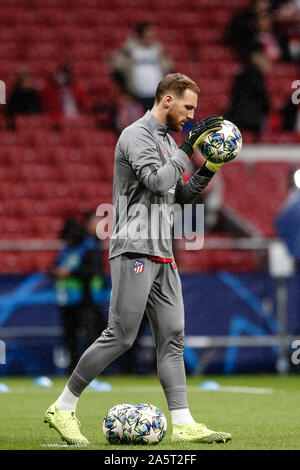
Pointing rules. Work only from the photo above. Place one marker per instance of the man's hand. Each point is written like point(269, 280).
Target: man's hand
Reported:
point(214, 167)
point(199, 132)
point(60, 272)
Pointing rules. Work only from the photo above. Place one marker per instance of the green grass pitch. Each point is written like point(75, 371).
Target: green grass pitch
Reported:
point(257, 421)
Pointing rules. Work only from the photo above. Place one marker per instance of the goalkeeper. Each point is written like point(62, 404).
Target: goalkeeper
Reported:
point(148, 169)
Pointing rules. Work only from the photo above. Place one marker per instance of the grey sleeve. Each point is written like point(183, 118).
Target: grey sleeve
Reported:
point(186, 193)
point(143, 157)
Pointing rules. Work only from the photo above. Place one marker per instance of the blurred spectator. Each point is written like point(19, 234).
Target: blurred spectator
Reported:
point(242, 33)
point(269, 26)
point(24, 98)
point(290, 114)
point(128, 110)
point(63, 96)
point(140, 64)
point(69, 287)
point(287, 25)
point(78, 271)
point(287, 221)
point(267, 41)
point(92, 275)
point(249, 98)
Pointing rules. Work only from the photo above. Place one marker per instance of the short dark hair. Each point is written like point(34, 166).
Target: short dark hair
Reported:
point(72, 232)
point(140, 28)
point(176, 82)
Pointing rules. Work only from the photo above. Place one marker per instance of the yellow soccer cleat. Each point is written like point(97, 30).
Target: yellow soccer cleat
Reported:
point(66, 424)
point(197, 432)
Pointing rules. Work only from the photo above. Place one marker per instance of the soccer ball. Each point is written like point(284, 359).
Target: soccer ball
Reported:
point(145, 424)
point(223, 145)
point(113, 423)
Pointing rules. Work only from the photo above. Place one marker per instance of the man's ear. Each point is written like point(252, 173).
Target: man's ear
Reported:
point(168, 99)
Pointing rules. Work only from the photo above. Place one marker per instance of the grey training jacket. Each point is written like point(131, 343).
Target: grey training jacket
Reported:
point(147, 183)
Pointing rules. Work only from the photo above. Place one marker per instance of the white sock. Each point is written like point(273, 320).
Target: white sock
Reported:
point(182, 416)
point(67, 401)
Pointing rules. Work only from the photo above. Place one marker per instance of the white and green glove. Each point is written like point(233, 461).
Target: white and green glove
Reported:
point(214, 167)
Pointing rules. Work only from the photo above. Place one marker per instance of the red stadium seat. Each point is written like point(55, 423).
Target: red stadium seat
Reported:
point(32, 121)
point(36, 171)
point(17, 262)
point(11, 207)
point(46, 49)
point(27, 261)
point(9, 138)
point(8, 173)
point(7, 33)
point(66, 155)
point(47, 190)
point(86, 51)
point(45, 226)
point(204, 260)
point(214, 53)
point(13, 228)
point(63, 207)
point(11, 189)
point(45, 260)
point(80, 172)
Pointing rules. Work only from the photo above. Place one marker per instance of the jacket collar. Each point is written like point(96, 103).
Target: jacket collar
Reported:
point(156, 124)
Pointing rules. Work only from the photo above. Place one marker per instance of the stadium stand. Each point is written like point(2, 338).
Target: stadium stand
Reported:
point(46, 175)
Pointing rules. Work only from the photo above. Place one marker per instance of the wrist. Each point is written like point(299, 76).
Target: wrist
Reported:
point(187, 148)
point(213, 167)
point(204, 171)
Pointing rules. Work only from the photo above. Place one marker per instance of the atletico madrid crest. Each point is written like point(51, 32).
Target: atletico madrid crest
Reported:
point(138, 266)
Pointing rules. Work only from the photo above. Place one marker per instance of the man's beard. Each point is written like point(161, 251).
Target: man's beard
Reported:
point(173, 123)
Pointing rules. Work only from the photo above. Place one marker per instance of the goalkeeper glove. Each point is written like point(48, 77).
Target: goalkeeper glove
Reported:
point(199, 132)
point(214, 167)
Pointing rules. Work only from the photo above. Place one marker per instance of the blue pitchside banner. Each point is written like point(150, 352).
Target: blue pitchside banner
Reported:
point(219, 304)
